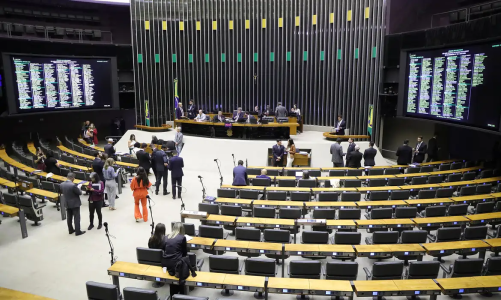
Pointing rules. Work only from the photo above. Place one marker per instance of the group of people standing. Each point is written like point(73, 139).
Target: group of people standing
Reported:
point(89, 133)
point(407, 155)
point(279, 152)
point(353, 155)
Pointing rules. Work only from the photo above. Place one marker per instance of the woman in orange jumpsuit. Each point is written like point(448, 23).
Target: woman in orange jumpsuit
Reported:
point(139, 185)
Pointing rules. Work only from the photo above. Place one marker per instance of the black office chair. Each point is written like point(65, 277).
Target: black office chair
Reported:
point(328, 196)
point(385, 271)
point(261, 182)
point(148, 256)
point(469, 176)
point(383, 237)
point(263, 212)
point(378, 195)
point(405, 212)
point(485, 188)
point(352, 183)
point(377, 182)
point(64, 172)
point(253, 171)
point(277, 236)
point(341, 270)
point(186, 297)
point(276, 195)
point(314, 237)
point(400, 195)
point(290, 213)
point(227, 193)
point(412, 237)
point(350, 196)
point(468, 267)
point(446, 234)
point(426, 169)
point(419, 180)
point(265, 267)
point(492, 266)
point(486, 174)
point(354, 172)
point(349, 214)
point(474, 233)
point(231, 210)
point(131, 293)
point(311, 183)
point(426, 194)
point(454, 177)
point(456, 165)
point(337, 173)
point(315, 173)
point(101, 291)
point(347, 238)
point(10, 199)
point(458, 210)
point(467, 191)
point(214, 232)
point(396, 181)
point(392, 171)
point(212, 209)
point(305, 269)
point(274, 172)
point(249, 194)
point(380, 213)
point(444, 193)
point(412, 170)
point(224, 264)
point(435, 211)
point(444, 167)
point(287, 183)
point(423, 270)
point(300, 196)
point(484, 207)
point(376, 172)
point(328, 214)
point(33, 210)
point(48, 186)
point(248, 234)
point(435, 179)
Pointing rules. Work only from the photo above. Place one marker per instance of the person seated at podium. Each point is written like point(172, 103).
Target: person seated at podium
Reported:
point(240, 174)
point(179, 111)
point(239, 114)
point(340, 125)
point(201, 116)
point(219, 117)
point(355, 158)
point(192, 110)
point(257, 112)
point(296, 110)
point(263, 174)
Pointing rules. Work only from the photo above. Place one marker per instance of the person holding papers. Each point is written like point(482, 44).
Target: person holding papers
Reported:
point(96, 200)
point(71, 193)
point(139, 186)
point(340, 125)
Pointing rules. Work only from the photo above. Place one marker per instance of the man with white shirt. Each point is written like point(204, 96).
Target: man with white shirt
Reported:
point(200, 117)
point(340, 125)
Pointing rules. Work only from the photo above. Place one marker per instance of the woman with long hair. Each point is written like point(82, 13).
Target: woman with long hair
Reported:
point(94, 133)
point(156, 241)
point(96, 199)
point(139, 186)
point(131, 142)
point(291, 150)
point(110, 185)
point(40, 159)
point(175, 248)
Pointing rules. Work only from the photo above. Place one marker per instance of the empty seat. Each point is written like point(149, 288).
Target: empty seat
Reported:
point(227, 193)
point(347, 238)
point(427, 194)
point(493, 266)
point(456, 165)
point(458, 210)
point(469, 176)
point(328, 214)
point(354, 172)
point(148, 256)
point(263, 212)
point(101, 291)
point(400, 195)
point(337, 173)
point(253, 171)
point(435, 179)
point(426, 169)
point(352, 183)
point(341, 270)
point(486, 174)
point(231, 210)
point(467, 190)
point(468, 267)
point(300, 196)
point(223, 264)
point(444, 193)
point(392, 171)
point(315, 173)
point(484, 207)
point(349, 214)
point(212, 209)
point(377, 182)
point(385, 237)
point(32, 209)
point(454, 177)
point(350, 196)
point(423, 270)
point(419, 180)
point(405, 212)
point(414, 236)
point(444, 167)
point(287, 183)
point(435, 211)
point(307, 183)
point(261, 182)
point(214, 232)
point(48, 186)
point(305, 269)
point(483, 189)
point(131, 293)
point(289, 213)
point(475, 233)
point(247, 234)
point(412, 170)
point(385, 271)
point(276, 195)
point(260, 267)
point(381, 213)
point(276, 236)
point(375, 172)
point(378, 195)
point(314, 237)
point(328, 196)
point(274, 172)
point(249, 194)
point(448, 234)
point(470, 164)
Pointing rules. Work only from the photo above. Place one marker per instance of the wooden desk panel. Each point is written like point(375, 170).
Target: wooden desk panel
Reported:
point(459, 245)
point(219, 219)
point(462, 285)
point(495, 243)
point(453, 220)
point(370, 288)
point(371, 204)
point(95, 147)
point(9, 210)
point(234, 201)
point(17, 295)
point(206, 277)
point(278, 203)
point(337, 204)
point(330, 285)
point(421, 286)
point(419, 186)
point(340, 224)
point(290, 284)
point(484, 218)
point(474, 198)
point(231, 245)
point(201, 241)
point(120, 267)
point(488, 180)
point(427, 202)
point(236, 281)
point(440, 162)
point(378, 188)
point(274, 247)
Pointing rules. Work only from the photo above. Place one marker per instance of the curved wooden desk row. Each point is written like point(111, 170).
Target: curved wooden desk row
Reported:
point(247, 203)
point(326, 169)
point(88, 157)
point(33, 151)
point(362, 288)
point(83, 142)
point(164, 127)
point(477, 219)
point(330, 135)
point(292, 126)
point(263, 189)
point(17, 295)
point(30, 171)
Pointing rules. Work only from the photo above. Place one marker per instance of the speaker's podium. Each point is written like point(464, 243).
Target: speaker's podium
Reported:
point(302, 158)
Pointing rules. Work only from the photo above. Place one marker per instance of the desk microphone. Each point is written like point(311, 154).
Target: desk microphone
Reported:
point(215, 159)
point(106, 226)
point(199, 176)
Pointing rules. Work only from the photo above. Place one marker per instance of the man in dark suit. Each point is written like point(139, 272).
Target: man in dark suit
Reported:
point(179, 111)
point(219, 117)
point(240, 174)
point(340, 125)
point(192, 110)
point(351, 148)
point(176, 165)
point(110, 149)
point(144, 158)
point(71, 193)
point(432, 149)
point(239, 114)
point(161, 163)
point(420, 150)
point(355, 159)
point(97, 165)
point(257, 111)
point(369, 155)
point(404, 154)
point(280, 111)
point(278, 153)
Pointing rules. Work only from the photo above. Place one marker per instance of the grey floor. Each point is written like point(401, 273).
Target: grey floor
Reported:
point(54, 264)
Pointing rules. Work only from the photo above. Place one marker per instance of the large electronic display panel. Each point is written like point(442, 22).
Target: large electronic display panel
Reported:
point(57, 83)
point(461, 85)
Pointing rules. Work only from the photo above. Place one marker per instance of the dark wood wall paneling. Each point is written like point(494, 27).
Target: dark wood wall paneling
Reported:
point(334, 67)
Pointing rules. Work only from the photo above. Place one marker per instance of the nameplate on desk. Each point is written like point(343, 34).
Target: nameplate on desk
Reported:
point(191, 213)
point(310, 221)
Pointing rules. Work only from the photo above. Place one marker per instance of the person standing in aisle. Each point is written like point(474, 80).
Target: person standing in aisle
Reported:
point(110, 185)
point(432, 149)
point(139, 186)
point(337, 154)
point(178, 140)
point(176, 165)
point(161, 163)
point(96, 199)
point(71, 193)
point(278, 151)
point(291, 151)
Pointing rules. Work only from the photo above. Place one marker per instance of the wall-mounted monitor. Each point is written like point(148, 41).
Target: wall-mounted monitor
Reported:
point(59, 83)
point(460, 85)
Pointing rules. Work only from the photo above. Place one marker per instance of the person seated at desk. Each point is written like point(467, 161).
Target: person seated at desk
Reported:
point(263, 174)
point(280, 111)
point(201, 116)
point(219, 117)
point(340, 125)
point(296, 110)
point(179, 111)
point(51, 164)
point(355, 158)
point(240, 174)
point(239, 114)
point(257, 111)
point(192, 110)
point(306, 174)
point(268, 111)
